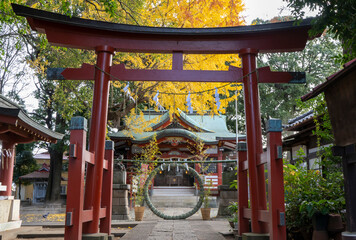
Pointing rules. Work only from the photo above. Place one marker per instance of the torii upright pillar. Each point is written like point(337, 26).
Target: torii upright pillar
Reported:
point(254, 138)
point(97, 136)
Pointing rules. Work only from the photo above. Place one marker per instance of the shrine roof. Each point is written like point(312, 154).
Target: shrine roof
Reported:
point(207, 138)
point(46, 156)
point(35, 175)
point(12, 114)
point(38, 175)
point(204, 123)
point(211, 129)
point(348, 67)
point(295, 123)
point(84, 33)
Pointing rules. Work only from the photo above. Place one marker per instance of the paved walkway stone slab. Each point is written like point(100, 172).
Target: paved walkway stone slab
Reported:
point(178, 230)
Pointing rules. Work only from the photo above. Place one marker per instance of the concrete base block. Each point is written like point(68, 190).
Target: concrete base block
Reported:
point(232, 194)
point(120, 217)
point(120, 201)
point(255, 236)
point(95, 236)
point(119, 193)
point(349, 236)
point(5, 209)
point(111, 237)
point(15, 210)
point(227, 195)
point(10, 225)
point(121, 187)
point(120, 210)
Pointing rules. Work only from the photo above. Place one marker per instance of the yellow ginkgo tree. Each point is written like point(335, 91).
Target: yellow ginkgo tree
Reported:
point(173, 95)
point(158, 13)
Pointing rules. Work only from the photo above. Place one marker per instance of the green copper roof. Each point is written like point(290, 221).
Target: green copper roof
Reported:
point(211, 129)
point(205, 123)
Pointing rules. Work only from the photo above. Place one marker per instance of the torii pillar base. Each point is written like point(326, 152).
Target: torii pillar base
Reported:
point(349, 236)
point(96, 236)
point(255, 236)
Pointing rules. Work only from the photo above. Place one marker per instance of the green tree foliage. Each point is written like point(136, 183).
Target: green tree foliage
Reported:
point(58, 101)
point(47, 114)
point(25, 163)
point(339, 17)
point(280, 100)
point(309, 192)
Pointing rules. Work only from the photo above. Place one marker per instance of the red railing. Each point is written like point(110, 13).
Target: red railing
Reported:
point(79, 157)
point(272, 220)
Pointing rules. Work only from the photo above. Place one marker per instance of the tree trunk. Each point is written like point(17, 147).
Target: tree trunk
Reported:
point(55, 175)
point(19, 190)
point(53, 193)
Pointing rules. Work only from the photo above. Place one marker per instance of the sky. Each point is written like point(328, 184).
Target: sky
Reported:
point(266, 9)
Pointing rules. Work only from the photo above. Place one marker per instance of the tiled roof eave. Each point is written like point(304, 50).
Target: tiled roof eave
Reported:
point(45, 131)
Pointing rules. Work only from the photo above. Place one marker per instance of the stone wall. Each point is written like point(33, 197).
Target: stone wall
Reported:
point(120, 203)
point(227, 195)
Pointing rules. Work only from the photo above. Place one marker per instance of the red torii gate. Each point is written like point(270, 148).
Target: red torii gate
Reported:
point(106, 38)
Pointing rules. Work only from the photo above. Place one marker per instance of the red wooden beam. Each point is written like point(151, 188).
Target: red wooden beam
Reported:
point(234, 74)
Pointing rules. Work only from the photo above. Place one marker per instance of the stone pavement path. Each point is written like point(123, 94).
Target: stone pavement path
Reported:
point(151, 228)
point(31, 215)
point(178, 230)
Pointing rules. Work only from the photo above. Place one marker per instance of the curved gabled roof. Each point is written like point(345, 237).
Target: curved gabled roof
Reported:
point(207, 138)
point(201, 123)
point(14, 115)
point(209, 129)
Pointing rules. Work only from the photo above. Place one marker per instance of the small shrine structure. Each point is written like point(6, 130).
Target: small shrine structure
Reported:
point(177, 136)
point(15, 127)
point(340, 96)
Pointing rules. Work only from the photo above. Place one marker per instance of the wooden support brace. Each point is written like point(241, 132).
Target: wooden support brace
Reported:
point(87, 215)
point(76, 170)
point(106, 199)
point(89, 157)
point(277, 228)
point(243, 224)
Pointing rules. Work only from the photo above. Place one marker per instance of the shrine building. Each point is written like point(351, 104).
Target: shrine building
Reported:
point(177, 136)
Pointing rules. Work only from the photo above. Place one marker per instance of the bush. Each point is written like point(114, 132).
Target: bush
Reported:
point(308, 192)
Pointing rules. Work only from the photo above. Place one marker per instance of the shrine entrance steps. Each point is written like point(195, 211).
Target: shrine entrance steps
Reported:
point(177, 197)
point(173, 191)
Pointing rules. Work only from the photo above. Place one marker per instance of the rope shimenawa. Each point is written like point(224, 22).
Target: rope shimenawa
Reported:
point(178, 161)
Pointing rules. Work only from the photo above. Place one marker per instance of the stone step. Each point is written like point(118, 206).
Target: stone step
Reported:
point(178, 201)
point(174, 201)
point(173, 191)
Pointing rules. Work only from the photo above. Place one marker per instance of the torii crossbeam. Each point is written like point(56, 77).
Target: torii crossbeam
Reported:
point(119, 72)
point(106, 38)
